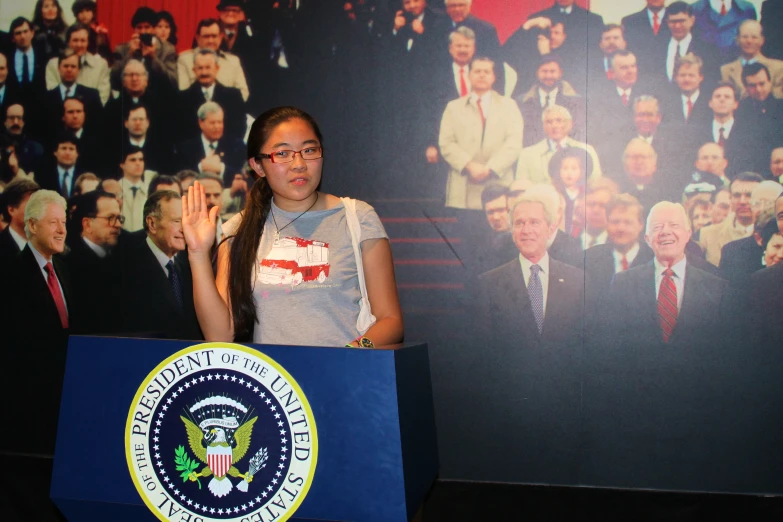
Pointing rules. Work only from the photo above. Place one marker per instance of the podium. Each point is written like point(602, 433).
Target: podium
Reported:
point(372, 409)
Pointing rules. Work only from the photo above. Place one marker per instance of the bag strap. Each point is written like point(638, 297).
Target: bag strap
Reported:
point(355, 229)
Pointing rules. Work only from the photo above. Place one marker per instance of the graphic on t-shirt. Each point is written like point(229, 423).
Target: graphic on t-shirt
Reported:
point(293, 260)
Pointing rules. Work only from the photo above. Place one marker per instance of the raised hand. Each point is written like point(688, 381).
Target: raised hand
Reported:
point(198, 223)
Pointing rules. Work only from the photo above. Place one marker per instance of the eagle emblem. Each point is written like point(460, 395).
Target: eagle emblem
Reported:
point(220, 441)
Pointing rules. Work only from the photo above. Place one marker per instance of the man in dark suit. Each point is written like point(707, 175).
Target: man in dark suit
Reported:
point(74, 121)
point(137, 124)
point(68, 67)
point(742, 257)
point(419, 33)
point(39, 316)
point(13, 238)
point(612, 40)
point(766, 295)
point(207, 88)
point(211, 152)
point(136, 90)
point(723, 129)
point(550, 89)
point(29, 152)
point(9, 93)
point(623, 250)
point(686, 101)
point(61, 174)
point(93, 268)
point(530, 312)
point(759, 116)
point(680, 20)
point(582, 27)
point(690, 302)
point(158, 290)
point(27, 66)
point(642, 177)
point(610, 108)
point(487, 40)
point(644, 30)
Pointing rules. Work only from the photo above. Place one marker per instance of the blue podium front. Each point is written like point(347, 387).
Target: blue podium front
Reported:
point(173, 430)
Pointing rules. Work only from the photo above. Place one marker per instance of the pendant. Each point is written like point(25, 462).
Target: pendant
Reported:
point(277, 237)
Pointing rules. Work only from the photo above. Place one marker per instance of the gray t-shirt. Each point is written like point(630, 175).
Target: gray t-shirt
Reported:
point(306, 286)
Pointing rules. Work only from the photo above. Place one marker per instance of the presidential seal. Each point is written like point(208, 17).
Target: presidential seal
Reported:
point(221, 432)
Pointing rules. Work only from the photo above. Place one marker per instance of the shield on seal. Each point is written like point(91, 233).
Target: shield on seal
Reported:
point(219, 459)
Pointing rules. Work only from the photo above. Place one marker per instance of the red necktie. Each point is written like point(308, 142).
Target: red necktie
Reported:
point(624, 98)
point(463, 85)
point(656, 24)
point(667, 304)
point(57, 295)
point(723, 8)
point(481, 112)
point(690, 108)
point(722, 137)
point(624, 263)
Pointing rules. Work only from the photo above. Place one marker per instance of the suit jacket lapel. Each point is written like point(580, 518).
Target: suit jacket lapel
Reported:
point(42, 288)
point(555, 300)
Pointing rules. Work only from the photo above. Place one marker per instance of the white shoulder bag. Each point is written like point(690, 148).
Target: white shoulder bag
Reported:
point(366, 319)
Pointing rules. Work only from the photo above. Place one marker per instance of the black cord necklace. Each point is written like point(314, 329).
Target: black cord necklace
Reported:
point(278, 230)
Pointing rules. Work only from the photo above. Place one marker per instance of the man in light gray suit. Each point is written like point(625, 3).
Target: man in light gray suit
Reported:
point(534, 160)
point(480, 138)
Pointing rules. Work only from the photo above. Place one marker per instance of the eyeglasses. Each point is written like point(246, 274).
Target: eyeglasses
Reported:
point(113, 219)
point(287, 156)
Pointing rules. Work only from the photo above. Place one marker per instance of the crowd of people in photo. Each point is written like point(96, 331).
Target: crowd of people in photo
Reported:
point(678, 103)
point(617, 182)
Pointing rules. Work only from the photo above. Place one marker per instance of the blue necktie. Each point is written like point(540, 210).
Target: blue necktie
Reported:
point(174, 282)
point(536, 293)
point(25, 70)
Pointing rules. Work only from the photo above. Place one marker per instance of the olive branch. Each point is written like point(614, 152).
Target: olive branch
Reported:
point(185, 464)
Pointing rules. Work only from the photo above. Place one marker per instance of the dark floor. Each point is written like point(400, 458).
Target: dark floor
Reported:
point(463, 501)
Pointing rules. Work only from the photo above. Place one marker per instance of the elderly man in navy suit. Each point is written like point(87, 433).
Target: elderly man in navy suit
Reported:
point(667, 301)
point(531, 312)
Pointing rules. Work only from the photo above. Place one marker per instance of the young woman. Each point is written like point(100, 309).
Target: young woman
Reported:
point(166, 28)
point(49, 27)
point(286, 274)
point(568, 169)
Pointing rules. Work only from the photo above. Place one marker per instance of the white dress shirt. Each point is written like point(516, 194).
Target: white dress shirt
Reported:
point(208, 92)
point(66, 91)
point(2, 94)
point(162, 258)
point(543, 274)
point(679, 278)
point(629, 256)
point(717, 5)
point(684, 44)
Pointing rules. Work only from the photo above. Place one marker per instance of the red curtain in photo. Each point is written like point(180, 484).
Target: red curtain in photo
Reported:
point(509, 15)
point(117, 14)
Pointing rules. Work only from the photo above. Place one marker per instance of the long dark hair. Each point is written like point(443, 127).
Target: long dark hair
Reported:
point(59, 23)
point(165, 15)
point(244, 247)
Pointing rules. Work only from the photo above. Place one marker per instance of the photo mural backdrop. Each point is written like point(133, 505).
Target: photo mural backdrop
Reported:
point(446, 117)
